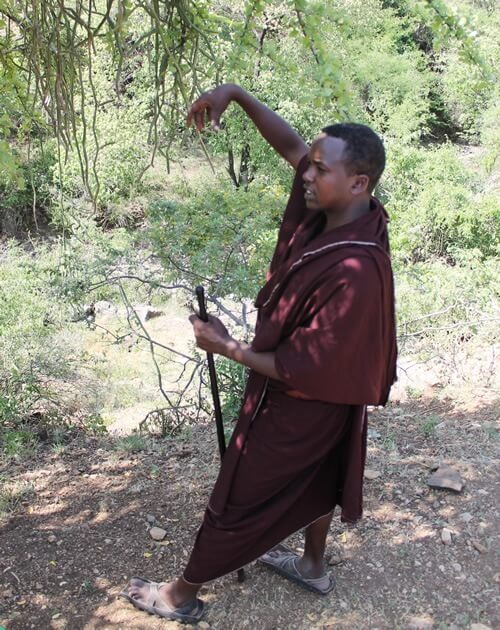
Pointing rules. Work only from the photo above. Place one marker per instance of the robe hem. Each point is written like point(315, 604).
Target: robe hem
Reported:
point(247, 563)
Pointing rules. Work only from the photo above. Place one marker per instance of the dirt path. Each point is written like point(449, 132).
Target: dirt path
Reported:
point(82, 530)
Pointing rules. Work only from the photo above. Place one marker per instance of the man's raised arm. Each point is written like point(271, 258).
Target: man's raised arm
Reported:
point(272, 127)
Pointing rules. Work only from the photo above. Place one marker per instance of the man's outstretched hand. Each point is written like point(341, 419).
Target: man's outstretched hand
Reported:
point(211, 105)
point(278, 133)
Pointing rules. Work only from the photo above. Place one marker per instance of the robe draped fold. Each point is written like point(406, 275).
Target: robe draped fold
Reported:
point(327, 311)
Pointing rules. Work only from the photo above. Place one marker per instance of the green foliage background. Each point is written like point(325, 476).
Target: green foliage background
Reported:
point(92, 119)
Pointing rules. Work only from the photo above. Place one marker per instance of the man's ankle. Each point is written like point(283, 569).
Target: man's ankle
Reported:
point(311, 567)
point(175, 594)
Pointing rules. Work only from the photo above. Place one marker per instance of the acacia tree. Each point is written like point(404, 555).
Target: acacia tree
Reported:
point(48, 50)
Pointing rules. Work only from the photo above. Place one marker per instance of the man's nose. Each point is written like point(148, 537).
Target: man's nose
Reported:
point(308, 175)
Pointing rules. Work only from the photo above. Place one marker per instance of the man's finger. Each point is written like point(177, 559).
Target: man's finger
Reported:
point(199, 119)
point(214, 116)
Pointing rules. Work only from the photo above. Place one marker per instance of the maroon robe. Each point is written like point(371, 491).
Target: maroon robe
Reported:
point(327, 311)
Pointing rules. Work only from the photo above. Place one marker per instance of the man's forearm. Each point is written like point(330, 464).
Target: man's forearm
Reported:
point(261, 362)
point(285, 140)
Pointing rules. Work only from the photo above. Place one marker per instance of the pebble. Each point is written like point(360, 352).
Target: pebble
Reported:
point(335, 559)
point(446, 477)
point(151, 519)
point(456, 567)
point(203, 625)
point(479, 547)
point(466, 517)
point(108, 541)
point(420, 623)
point(52, 538)
point(479, 626)
point(446, 536)
point(157, 533)
point(372, 474)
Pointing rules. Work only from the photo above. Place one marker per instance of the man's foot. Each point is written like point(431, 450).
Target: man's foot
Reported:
point(162, 599)
point(287, 563)
point(310, 570)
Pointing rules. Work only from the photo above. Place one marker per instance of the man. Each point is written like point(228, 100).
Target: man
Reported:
point(324, 348)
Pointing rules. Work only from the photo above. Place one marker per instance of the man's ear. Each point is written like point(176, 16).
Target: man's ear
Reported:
point(360, 184)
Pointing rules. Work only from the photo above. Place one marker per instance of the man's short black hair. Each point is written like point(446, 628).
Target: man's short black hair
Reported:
point(364, 153)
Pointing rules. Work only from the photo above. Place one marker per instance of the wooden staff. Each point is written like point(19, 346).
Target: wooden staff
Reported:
point(200, 294)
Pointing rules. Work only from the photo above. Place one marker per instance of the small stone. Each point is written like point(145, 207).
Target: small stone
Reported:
point(420, 623)
point(372, 474)
point(446, 477)
point(456, 567)
point(103, 506)
point(138, 487)
point(446, 536)
point(107, 541)
point(479, 626)
point(152, 519)
point(466, 517)
point(479, 547)
point(146, 312)
point(157, 533)
point(483, 492)
point(203, 625)
point(38, 586)
point(335, 560)
point(52, 538)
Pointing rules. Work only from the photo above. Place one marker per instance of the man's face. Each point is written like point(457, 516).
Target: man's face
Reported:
point(327, 185)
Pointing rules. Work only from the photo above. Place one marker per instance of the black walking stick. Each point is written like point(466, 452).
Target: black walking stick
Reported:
point(200, 294)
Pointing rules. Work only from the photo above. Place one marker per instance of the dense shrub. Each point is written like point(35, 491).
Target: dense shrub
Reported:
point(219, 233)
point(438, 205)
point(26, 194)
point(43, 383)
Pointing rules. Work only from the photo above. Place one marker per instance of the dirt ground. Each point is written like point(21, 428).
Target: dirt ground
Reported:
point(80, 530)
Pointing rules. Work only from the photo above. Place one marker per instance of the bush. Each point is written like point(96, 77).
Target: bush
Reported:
point(449, 312)
point(26, 198)
point(437, 205)
point(112, 172)
point(218, 233)
point(40, 358)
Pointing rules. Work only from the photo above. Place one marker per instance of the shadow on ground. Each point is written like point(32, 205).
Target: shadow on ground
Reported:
point(70, 547)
